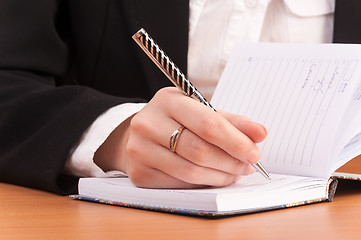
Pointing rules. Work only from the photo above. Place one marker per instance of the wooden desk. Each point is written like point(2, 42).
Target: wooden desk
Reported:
point(32, 214)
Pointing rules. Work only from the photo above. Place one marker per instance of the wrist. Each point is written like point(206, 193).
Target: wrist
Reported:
point(111, 155)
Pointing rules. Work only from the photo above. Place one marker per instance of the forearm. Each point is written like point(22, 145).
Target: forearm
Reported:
point(39, 126)
point(41, 118)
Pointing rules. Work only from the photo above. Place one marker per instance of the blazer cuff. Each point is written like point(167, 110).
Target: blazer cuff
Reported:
point(80, 162)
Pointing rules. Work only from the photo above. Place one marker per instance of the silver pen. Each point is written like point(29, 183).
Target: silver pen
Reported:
point(176, 76)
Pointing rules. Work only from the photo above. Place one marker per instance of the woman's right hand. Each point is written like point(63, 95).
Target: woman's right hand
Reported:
point(214, 149)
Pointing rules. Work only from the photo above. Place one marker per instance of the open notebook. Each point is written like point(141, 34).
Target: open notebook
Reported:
point(307, 96)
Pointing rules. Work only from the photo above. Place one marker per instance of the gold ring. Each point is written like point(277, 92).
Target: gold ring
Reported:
point(174, 138)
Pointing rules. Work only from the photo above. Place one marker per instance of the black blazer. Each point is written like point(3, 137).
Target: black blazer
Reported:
point(63, 63)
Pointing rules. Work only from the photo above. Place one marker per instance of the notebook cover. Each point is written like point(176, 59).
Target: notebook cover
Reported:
point(332, 185)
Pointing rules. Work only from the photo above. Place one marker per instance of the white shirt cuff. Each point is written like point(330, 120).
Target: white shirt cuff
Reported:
point(80, 162)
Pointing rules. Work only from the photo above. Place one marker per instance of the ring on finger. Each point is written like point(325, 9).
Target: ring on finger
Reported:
point(174, 138)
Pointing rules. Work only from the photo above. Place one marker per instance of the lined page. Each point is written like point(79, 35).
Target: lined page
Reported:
point(299, 92)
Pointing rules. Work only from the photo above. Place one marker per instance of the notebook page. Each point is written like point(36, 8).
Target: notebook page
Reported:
point(299, 92)
point(349, 135)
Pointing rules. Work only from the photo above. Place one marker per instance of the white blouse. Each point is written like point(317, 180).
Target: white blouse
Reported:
point(216, 27)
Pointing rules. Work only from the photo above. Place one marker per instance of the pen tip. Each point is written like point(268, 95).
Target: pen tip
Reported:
point(261, 170)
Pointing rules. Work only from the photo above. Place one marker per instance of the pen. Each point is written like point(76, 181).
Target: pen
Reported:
point(176, 76)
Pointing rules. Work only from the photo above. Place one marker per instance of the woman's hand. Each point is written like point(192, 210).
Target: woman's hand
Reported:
point(214, 149)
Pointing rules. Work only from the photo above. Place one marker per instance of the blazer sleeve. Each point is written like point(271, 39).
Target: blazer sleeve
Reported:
point(40, 121)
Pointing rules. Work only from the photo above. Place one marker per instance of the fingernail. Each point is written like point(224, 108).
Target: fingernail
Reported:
point(237, 178)
point(264, 128)
point(254, 156)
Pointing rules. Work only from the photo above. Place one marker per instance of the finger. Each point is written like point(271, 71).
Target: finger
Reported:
point(194, 148)
point(213, 128)
point(202, 153)
point(153, 178)
point(173, 165)
point(255, 131)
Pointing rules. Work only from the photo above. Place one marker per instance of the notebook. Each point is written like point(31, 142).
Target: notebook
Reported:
point(307, 96)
